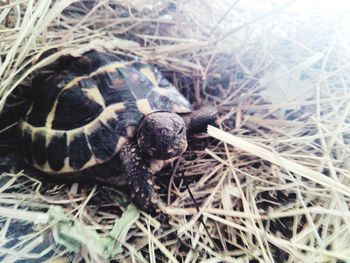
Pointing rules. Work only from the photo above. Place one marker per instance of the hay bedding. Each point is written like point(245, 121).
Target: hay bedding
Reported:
point(271, 183)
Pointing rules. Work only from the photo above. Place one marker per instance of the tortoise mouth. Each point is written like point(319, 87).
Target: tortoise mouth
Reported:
point(176, 149)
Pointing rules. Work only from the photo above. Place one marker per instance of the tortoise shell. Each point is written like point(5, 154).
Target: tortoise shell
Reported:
point(84, 109)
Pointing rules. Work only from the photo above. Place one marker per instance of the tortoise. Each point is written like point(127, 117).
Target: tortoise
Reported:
point(86, 110)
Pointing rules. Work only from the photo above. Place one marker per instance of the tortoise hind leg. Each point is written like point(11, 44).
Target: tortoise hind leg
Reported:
point(197, 120)
point(139, 178)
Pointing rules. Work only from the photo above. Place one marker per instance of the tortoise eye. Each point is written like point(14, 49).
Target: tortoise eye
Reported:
point(181, 130)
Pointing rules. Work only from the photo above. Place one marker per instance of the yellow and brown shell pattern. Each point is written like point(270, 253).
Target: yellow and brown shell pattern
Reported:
point(84, 109)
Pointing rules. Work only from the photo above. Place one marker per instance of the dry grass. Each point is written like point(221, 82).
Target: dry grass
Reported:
point(274, 184)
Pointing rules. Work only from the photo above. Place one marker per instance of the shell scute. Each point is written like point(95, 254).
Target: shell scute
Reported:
point(74, 109)
point(79, 151)
point(39, 148)
point(103, 141)
point(57, 152)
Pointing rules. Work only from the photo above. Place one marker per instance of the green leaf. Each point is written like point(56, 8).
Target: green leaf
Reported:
point(73, 234)
point(122, 227)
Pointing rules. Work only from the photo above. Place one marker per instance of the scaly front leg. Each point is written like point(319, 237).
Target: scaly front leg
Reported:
point(139, 178)
point(198, 120)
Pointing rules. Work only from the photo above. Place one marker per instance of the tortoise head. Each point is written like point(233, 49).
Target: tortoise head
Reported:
point(162, 135)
